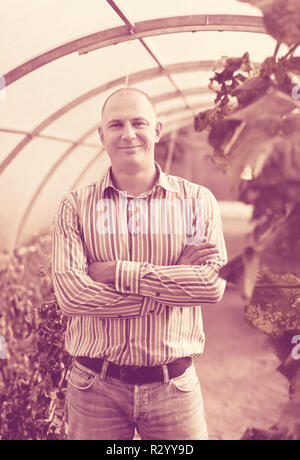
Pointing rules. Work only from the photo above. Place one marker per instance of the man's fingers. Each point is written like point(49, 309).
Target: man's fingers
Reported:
point(204, 245)
point(191, 248)
point(205, 252)
point(196, 259)
point(197, 253)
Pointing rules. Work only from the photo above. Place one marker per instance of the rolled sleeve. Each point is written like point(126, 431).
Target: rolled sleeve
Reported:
point(76, 292)
point(127, 279)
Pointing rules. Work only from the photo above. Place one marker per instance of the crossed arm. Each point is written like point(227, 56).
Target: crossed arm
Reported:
point(118, 288)
point(105, 272)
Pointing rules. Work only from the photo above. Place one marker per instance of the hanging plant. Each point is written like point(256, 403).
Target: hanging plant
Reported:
point(254, 130)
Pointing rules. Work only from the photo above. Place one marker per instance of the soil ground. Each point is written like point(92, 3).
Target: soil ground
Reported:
point(237, 371)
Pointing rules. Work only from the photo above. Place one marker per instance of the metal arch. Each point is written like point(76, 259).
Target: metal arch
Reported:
point(46, 179)
point(82, 173)
point(137, 77)
point(182, 109)
point(47, 137)
point(183, 123)
point(124, 16)
point(109, 37)
point(27, 212)
point(80, 141)
point(169, 96)
point(132, 29)
point(192, 23)
point(168, 127)
point(187, 92)
point(175, 125)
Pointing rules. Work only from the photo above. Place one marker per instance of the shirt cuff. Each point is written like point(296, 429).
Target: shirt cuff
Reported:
point(127, 277)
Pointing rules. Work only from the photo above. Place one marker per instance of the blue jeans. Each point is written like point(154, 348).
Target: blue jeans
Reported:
point(101, 407)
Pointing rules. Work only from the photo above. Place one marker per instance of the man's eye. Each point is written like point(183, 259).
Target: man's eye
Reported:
point(115, 125)
point(139, 123)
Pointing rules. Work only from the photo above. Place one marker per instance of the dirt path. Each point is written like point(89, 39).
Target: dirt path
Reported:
point(237, 371)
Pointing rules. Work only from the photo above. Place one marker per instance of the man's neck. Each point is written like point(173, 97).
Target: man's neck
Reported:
point(135, 184)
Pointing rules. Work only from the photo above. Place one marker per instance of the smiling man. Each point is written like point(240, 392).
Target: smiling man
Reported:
point(129, 132)
point(134, 256)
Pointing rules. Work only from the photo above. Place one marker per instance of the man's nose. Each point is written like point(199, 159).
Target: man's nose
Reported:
point(128, 133)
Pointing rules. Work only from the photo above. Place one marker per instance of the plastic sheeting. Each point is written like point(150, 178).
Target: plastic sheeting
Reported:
point(49, 112)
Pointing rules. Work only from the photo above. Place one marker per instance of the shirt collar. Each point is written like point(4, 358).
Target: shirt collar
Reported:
point(162, 180)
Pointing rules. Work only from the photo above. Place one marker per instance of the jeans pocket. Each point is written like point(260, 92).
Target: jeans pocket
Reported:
point(80, 379)
point(187, 381)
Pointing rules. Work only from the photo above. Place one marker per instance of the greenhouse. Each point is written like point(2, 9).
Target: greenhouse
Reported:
point(224, 78)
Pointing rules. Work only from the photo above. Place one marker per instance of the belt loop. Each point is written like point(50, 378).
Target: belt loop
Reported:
point(166, 373)
point(102, 373)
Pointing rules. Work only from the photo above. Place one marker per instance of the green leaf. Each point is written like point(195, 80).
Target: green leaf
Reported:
point(281, 18)
point(281, 248)
point(257, 129)
point(242, 271)
point(293, 64)
point(251, 89)
point(271, 309)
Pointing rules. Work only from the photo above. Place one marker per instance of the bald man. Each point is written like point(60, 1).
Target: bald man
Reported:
point(134, 255)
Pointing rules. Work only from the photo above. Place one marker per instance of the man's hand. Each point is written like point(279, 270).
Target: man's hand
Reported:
point(103, 272)
point(195, 254)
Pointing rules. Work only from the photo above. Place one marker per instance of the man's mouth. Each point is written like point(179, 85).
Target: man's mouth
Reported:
point(128, 147)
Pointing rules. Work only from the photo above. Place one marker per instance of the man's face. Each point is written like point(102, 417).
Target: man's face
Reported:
point(129, 129)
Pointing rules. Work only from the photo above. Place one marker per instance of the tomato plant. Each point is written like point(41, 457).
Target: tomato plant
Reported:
point(33, 373)
point(254, 130)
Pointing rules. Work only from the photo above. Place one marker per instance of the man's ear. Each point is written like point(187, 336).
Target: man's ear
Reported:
point(158, 131)
point(100, 131)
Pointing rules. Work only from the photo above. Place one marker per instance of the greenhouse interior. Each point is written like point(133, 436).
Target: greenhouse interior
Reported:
point(224, 77)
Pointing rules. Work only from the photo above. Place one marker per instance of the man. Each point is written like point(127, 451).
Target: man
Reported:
point(134, 254)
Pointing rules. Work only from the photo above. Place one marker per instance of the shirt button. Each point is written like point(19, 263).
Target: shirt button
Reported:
point(132, 340)
point(158, 294)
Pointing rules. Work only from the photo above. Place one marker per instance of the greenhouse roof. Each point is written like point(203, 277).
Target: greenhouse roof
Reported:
point(61, 59)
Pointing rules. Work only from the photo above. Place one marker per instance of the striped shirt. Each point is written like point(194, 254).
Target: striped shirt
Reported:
point(151, 314)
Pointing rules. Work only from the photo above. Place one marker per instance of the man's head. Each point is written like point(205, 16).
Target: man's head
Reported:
point(129, 128)
point(124, 90)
